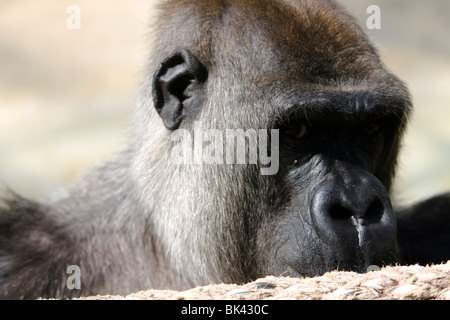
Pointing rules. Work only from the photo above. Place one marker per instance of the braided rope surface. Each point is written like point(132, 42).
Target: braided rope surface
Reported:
point(399, 282)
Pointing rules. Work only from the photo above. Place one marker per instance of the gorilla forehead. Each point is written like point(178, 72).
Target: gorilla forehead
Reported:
point(306, 40)
point(270, 31)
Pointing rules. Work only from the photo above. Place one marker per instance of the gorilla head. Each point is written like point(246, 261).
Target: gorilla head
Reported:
point(305, 68)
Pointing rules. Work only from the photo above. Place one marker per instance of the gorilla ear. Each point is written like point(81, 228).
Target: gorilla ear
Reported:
point(178, 87)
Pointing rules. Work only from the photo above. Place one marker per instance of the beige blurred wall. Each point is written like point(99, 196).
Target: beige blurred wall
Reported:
point(66, 95)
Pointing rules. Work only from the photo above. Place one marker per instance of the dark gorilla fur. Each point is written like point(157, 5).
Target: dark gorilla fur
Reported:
point(140, 222)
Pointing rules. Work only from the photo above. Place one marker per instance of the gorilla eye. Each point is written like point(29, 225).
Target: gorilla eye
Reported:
point(295, 131)
point(370, 129)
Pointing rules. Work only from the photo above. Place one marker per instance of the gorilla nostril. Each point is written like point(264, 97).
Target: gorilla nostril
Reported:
point(374, 213)
point(337, 212)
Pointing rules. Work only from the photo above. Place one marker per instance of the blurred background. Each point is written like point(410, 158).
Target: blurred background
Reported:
point(66, 96)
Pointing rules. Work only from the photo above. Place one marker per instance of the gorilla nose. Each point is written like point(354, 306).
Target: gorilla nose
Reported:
point(353, 213)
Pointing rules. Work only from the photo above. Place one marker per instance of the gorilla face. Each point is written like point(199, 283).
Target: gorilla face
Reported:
point(337, 156)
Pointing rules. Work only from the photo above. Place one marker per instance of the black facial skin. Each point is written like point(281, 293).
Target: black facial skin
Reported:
point(344, 214)
point(140, 221)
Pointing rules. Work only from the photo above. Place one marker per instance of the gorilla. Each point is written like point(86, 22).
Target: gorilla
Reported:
point(300, 71)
